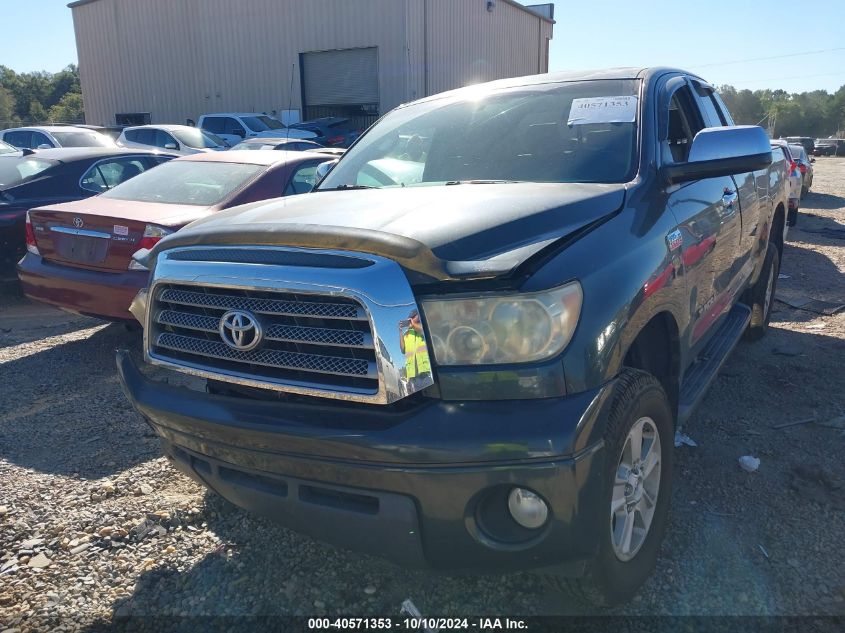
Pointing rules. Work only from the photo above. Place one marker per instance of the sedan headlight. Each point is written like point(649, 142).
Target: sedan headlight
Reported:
point(498, 329)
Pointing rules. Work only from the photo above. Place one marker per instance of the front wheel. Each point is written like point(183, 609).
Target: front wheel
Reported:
point(637, 490)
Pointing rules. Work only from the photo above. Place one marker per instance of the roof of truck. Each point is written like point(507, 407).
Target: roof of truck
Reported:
point(622, 72)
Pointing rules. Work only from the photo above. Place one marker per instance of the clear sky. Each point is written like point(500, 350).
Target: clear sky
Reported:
point(700, 36)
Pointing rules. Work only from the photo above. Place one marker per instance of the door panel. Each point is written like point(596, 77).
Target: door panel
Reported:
point(708, 216)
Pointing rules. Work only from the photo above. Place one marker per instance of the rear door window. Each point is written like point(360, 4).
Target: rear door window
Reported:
point(132, 135)
point(19, 138)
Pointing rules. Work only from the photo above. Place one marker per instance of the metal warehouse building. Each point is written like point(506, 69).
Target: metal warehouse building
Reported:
point(170, 60)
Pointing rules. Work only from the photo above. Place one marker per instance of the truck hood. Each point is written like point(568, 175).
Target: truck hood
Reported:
point(445, 231)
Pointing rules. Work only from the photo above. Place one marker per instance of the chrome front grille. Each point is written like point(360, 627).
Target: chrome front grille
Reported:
point(314, 322)
point(307, 339)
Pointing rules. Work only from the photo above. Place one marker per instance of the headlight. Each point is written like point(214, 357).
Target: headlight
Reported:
point(499, 329)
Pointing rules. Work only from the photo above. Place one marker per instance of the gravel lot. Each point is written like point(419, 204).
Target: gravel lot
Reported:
point(95, 525)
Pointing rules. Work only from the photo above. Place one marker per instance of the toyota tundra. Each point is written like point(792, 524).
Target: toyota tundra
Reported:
point(470, 347)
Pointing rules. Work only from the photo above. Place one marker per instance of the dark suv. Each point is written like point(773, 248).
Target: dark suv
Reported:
point(471, 346)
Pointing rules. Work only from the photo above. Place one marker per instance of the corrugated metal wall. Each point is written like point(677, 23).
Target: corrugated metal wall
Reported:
point(467, 44)
point(178, 59)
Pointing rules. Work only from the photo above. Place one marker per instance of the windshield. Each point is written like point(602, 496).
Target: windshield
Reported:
point(83, 139)
point(5, 148)
point(201, 183)
point(563, 132)
point(262, 123)
point(14, 170)
point(195, 138)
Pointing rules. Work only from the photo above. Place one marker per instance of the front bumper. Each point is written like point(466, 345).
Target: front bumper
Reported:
point(411, 484)
point(101, 294)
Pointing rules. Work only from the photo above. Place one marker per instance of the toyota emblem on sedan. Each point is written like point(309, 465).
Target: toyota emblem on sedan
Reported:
point(240, 330)
point(77, 222)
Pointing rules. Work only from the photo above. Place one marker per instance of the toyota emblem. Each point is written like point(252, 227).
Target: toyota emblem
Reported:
point(240, 330)
point(77, 222)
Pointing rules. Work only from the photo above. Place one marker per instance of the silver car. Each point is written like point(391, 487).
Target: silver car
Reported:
point(795, 180)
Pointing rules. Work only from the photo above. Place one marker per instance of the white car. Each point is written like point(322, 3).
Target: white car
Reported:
point(177, 139)
point(233, 127)
point(796, 181)
point(49, 136)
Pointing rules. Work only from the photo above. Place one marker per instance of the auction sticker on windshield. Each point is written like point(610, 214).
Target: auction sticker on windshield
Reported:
point(603, 110)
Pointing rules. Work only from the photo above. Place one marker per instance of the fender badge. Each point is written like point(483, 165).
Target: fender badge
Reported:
point(675, 240)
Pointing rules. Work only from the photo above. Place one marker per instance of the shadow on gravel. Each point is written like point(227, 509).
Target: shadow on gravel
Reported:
point(737, 543)
point(816, 229)
point(62, 410)
point(811, 274)
point(817, 200)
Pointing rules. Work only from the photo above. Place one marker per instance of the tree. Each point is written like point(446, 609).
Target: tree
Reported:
point(7, 108)
point(37, 113)
point(69, 109)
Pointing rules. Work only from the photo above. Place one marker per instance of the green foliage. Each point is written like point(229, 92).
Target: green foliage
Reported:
point(69, 109)
point(817, 113)
point(32, 97)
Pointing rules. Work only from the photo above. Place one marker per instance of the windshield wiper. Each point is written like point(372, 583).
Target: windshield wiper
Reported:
point(481, 182)
point(347, 187)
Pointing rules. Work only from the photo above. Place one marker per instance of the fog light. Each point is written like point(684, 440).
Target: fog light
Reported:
point(527, 508)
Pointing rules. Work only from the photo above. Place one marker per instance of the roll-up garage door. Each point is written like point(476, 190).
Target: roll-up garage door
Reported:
point(344, 77)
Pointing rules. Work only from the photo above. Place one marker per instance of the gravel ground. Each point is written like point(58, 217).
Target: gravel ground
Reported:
point(94, 525)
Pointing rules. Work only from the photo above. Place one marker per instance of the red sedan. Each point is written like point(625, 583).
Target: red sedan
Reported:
point(80, 253)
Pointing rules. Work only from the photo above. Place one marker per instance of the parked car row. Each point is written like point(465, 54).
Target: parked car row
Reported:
point(829, 147)
point(213, 132)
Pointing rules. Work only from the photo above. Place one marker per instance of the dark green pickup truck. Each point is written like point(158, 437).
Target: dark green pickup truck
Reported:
point(471, 345)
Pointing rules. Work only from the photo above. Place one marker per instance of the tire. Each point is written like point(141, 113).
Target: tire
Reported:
point(761, 295)
point(615, 576)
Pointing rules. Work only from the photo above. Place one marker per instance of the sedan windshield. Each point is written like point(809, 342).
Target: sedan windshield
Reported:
point(83, 139)
point(195, 138)
point(582, 131)
point(14, 170)
point(201, 183)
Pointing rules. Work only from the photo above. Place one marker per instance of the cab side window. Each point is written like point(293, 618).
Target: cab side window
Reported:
point(684, 123)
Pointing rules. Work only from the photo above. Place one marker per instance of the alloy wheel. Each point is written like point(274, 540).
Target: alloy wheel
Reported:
point(636, 486)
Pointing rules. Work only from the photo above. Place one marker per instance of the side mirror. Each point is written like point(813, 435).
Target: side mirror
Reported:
point(812, 160)
point(723, 151)
point(44, 146)
point(323, 170)
point(171, 146)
